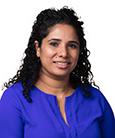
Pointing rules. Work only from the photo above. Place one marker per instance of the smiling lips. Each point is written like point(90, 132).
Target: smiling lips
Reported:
point(62, 64)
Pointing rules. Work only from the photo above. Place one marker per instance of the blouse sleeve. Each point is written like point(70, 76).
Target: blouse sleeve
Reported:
point(11, 122)
point(108, 121)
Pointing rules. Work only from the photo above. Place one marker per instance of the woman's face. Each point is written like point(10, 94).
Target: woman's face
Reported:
point(59, 51)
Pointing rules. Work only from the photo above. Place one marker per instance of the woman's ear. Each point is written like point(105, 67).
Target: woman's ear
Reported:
point(36, 44)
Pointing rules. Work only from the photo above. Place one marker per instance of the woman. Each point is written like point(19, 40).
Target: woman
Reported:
point(52, 94)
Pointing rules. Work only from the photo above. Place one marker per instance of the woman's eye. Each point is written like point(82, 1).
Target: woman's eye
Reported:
point(54, 44)
point(73, 46)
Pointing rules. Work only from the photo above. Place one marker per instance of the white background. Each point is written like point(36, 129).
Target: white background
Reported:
point(16, 20)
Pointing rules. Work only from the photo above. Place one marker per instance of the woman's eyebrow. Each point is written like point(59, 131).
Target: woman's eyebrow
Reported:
point(54, 39)
point(76, 42)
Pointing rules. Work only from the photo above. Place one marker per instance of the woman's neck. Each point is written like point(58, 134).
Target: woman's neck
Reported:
point(54, 86)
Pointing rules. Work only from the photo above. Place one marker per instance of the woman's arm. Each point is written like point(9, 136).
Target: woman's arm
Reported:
point(11, 121)
point(108, 122)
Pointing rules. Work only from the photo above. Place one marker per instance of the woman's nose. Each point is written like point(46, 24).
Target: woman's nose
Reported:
point(63, 52)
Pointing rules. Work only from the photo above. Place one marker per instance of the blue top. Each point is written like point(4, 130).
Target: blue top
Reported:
point(87, 117)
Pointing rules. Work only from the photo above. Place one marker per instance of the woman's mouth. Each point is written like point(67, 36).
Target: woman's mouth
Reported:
point(62, 64)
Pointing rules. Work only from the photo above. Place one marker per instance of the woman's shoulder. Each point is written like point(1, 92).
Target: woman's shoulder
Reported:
point(15, 90)
point(98, 96)
point(96, 99)
point(94, 92)
point(16, 87)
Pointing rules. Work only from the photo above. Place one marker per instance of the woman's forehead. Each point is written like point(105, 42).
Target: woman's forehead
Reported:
point(62, 30)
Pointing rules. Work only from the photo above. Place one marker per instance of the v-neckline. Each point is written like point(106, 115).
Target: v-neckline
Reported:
point(67, 125)
point(61, 105)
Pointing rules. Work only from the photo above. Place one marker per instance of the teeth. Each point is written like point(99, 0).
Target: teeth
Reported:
point(59, 62)
point(62, 63)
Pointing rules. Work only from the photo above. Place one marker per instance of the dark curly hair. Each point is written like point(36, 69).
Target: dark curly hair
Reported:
point(28, 72)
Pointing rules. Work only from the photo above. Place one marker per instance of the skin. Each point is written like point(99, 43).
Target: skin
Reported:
point(59, 53)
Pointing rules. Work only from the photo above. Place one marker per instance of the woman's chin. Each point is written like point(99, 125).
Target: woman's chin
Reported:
point(61, 75)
